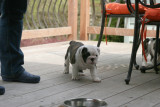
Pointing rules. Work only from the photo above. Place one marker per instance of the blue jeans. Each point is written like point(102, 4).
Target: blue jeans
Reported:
point(11, 26)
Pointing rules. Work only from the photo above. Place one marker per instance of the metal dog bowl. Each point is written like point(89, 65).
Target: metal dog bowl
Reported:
point(84, 102)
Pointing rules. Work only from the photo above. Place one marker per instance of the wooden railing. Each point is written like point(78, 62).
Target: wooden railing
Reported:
point(70, 16)
point(86, 28)
point(41, 28)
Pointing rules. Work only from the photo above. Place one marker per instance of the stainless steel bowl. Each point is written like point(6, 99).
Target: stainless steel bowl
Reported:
point(84, 102)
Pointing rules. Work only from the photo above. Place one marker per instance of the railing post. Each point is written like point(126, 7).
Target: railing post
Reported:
point(72, 18)
point(84, 19)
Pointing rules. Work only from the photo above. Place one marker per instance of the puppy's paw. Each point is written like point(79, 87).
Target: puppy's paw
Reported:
point(97, 79)
point(75, 78)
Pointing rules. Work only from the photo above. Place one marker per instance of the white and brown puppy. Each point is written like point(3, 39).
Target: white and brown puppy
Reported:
point(150, 46)
point(82, 57)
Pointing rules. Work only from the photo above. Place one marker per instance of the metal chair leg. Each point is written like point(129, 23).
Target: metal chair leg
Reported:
point(138, 43)
point(102, 29)
point(135, 62)
point(133, 56)
point(156, 50)
point(134, 51)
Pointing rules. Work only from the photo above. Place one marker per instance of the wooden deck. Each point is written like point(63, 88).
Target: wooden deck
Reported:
point(56, 87)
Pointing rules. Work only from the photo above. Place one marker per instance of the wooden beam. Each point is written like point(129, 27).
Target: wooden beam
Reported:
point(117, 31)
point(72, 18)
point(39, 33)
point(84, 19)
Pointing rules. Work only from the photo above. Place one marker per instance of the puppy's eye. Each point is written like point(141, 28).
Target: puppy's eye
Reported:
point(96, 55)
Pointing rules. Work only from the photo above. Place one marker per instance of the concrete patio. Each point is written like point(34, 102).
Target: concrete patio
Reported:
point(55, 87)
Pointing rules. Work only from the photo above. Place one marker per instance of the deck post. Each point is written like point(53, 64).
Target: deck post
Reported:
point(72, 18)
point(84, 19)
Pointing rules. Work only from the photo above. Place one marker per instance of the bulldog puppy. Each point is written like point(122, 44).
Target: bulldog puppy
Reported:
point(82, 57)
point(150, 46)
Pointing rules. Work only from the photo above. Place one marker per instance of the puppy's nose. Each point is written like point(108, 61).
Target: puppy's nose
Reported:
point(92, 59)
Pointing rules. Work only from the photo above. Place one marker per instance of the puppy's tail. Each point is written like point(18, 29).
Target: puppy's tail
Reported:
point(67, 53)
point(70, 43)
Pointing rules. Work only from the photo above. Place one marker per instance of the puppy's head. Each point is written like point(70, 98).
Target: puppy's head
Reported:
point(90, 54)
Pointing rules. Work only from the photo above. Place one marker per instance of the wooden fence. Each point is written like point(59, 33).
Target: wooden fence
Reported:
point(86, 28)
point(72, 23)
point(70, 29)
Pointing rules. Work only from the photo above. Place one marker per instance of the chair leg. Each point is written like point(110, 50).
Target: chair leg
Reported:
point(102, 29)
point(136, 65)
point(135, 62)
point(138, 43)
point(156, 50)
point(134, 51)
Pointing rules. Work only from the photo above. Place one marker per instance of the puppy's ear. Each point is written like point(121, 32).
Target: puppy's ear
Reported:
point(85, 54)
point(84, 50)
point(98, 49)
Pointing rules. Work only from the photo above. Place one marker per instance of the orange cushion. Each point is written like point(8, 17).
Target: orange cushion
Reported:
point(153, 14)
point(117, 8)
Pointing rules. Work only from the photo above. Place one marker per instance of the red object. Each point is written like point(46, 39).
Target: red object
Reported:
point(106, 30)
point(117, 8)
point(152, 14)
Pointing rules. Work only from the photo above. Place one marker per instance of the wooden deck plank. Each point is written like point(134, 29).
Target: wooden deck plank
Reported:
point(42, 85)
point(82, 87)
point(62, 87)
point(57, 72)
point(134, 96)
point(105, 89)
point(157, 105)
point(55, 87)
point(149, 95)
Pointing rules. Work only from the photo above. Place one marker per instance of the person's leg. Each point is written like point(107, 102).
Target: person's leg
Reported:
point(0, 6)
point(2, 89)
point(11, 56)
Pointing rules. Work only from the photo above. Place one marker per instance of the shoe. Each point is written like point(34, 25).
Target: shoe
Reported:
point(2, 90)
point(25, 77)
